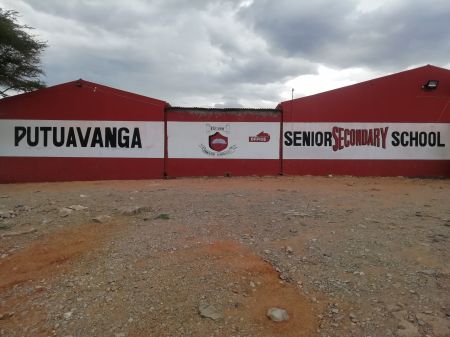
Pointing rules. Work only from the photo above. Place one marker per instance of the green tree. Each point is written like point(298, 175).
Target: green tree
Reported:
point(20, 53)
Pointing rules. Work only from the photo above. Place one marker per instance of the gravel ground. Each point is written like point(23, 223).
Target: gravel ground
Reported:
point(343, 256)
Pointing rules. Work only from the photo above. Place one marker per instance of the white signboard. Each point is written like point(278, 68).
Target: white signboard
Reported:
point(222, 140)
point(366, 141)
point(62, 138)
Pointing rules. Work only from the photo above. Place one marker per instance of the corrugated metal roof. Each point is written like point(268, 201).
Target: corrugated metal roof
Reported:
point(397, 97)
point(222, 109)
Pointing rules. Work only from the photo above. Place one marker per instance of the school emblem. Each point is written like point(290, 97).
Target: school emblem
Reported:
point(218, 145)
point(218, 142)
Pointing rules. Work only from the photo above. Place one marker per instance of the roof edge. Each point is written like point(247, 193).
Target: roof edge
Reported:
point(97, 86)
point(179, 108)
point(430, 66)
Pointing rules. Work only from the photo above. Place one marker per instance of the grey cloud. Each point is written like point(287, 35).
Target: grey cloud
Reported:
point(298, 27)
point(204, 52)
point(112, 15)
point(228, 102)
point(166, 49)
point(252, 61)
point(172, 50)
point(123, 16)
point(416, 32)
point(337, 33)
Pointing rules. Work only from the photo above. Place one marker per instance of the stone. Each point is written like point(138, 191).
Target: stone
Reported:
point(134, 210)
point(77, 207)
point(407, 329)
point(6, 315)
point(162, 216)
point(289, 250)
point(393, 307)
point(5, 226)
point(429, 272)
point(209, 311)
point(101, 218)
point(28, 231)
point(284, 277)
point(400, 314)
point(352, 316)
point(64, 212)
point(6, 214)
point(277, 314)
point(68, 315)
point(440, 326)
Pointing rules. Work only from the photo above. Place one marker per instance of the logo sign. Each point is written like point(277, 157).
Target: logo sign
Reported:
point(218, 142)
point(223, 140)
point(261, 137)
point(218, 145)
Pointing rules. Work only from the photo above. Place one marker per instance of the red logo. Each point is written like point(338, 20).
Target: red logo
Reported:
point(218, 142)
point(261, 137)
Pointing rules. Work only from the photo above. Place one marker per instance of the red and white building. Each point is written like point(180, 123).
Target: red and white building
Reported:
point(397, 125)
point(81, 131)
point(394, 125)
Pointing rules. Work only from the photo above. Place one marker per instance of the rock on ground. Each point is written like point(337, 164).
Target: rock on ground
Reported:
point(277, 314)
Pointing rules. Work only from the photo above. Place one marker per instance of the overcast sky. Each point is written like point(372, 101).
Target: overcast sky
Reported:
point(235, 53)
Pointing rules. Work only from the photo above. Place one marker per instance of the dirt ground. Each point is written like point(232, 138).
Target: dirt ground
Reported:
point(344, 256)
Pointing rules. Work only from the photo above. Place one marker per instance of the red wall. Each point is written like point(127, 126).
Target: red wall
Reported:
point(364, 168)
point(38, 169)
point(397, 98)
point(80, 100)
